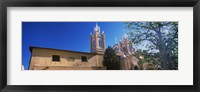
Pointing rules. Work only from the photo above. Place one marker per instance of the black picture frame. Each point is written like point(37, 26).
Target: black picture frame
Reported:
point(99, 3)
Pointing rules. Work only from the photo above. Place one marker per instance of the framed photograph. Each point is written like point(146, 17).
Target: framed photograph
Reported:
point(85, 45)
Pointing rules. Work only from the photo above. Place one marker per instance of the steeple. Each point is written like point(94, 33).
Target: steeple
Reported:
point(96, 24)
point(97, 40)
point(97, 28)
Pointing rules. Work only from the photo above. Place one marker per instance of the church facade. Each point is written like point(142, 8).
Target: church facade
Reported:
point(56, 59)
point(124, 49)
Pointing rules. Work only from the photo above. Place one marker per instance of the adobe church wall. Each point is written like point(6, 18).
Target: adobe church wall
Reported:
point(43, 57)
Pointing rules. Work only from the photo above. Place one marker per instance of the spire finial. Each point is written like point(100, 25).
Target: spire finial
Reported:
point(96, 24)
point(97, 28)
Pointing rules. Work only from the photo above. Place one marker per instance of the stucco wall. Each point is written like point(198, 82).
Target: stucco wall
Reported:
point(42, 58)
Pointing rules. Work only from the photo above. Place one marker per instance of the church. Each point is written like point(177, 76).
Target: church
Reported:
point(57, 59)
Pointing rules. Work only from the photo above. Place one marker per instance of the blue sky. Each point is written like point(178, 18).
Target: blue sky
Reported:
point(73, 36)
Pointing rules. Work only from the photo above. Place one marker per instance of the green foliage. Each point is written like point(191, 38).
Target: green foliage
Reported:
point(145, 57)
point(161, 39)
point(111, 60)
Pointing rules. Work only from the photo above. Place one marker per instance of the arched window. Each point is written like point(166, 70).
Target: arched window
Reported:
point(100, 43)
point(93, 43)
point(136, 68)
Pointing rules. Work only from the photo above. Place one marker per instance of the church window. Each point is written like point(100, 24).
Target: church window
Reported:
point(56, 58)
point(84, 59)
point(99, 42)
point(93, 44)
point(70, 59)
point(124, 49)
point(136, 68)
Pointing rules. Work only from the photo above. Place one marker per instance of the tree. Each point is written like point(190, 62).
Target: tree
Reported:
point(111, 60)
point(145, 57)
point(162, 39)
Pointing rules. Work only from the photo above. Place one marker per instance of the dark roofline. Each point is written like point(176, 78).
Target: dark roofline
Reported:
point(114, 45)
point(31, 48)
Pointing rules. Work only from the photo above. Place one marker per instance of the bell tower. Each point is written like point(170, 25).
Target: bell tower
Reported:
point(97, 41)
